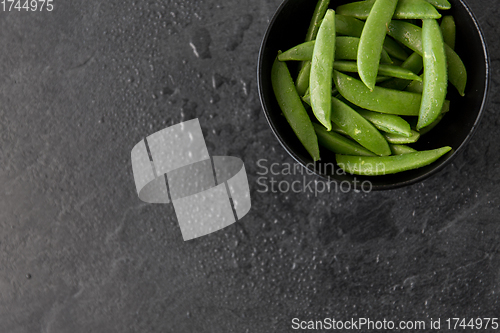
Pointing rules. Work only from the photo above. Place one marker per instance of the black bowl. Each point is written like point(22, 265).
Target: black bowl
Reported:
point(288, 27)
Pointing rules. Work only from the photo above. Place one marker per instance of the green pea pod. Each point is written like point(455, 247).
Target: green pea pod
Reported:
point(400, 139)
point(426, 129)
point(387, 122)
point(384, 165)
point(407, 34)
point(382, 79)
point(372, 39)
point(292, 107)
point(358, 128)
point(440, 4)
point(350, 26)
point(394, 50)
point(457, 74)
point(346, 48)
point(380, 99)
point(300, 52)
point(435, 81)
point(383, 69)
point(319, 13)
point(302, 82)
point(338, 143)
point(416, 87)
point(413, 63)
point(336, 128)
point(401, 149)
point(321, 70)
point(411, 36)
point(406, 9)
point(448, 29)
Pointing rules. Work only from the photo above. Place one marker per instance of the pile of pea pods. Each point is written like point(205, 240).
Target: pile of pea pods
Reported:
point(359, 92)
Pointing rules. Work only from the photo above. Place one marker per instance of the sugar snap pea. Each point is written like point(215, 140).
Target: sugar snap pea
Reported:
point(416, 87)
point(350, 26)
point(380, 99)
point(405, 9)
point(400, 149)
point(300, 52)
point(384, 165)
point(347, 121)
point(302, 82)
point(448, 29)
point(292, 107)
point(321, 70)
point(336, 128)
point(338, 143)
point(346, 48)
point(426, 129)
point(383, 69)
point(394, 50)
point(401, 139)
point(410, 35)
point(372, 38)
point(319, 13)
point(358, 128)
point(457, 74)
point(435, 73)
point(380, 79)
point(387, 122)
point(440, 4)
point(413, 63)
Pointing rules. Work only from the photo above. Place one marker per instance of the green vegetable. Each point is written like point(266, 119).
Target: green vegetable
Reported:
point(405, 9)
point(435, 75)
point(440, 4)
point(384, 165)
point(321, 70)
point(387, 122)
point(449, 30)
point(383, 69)
point(350, 26)
point(393, 48)
point(360, 119)
point(338, 143)
point(346, 48)
point(411, 36)
point(372, 38)
point(400, 139)
point(416, 87)
point(426, 129)
point(302, 82)
point(358, 128)
point(292, 107)
point(413, 63)
point(380, 99)
point(401, 149)
point(319, 13)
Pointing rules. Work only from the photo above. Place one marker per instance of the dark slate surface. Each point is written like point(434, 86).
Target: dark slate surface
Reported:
point(79, 252)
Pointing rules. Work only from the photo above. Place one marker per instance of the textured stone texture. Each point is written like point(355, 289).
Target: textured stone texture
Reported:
point(79, 252)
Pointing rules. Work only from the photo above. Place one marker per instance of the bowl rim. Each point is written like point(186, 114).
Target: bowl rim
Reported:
point(395, 185)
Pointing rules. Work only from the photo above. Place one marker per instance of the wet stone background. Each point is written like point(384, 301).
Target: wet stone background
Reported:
point(79, 252)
